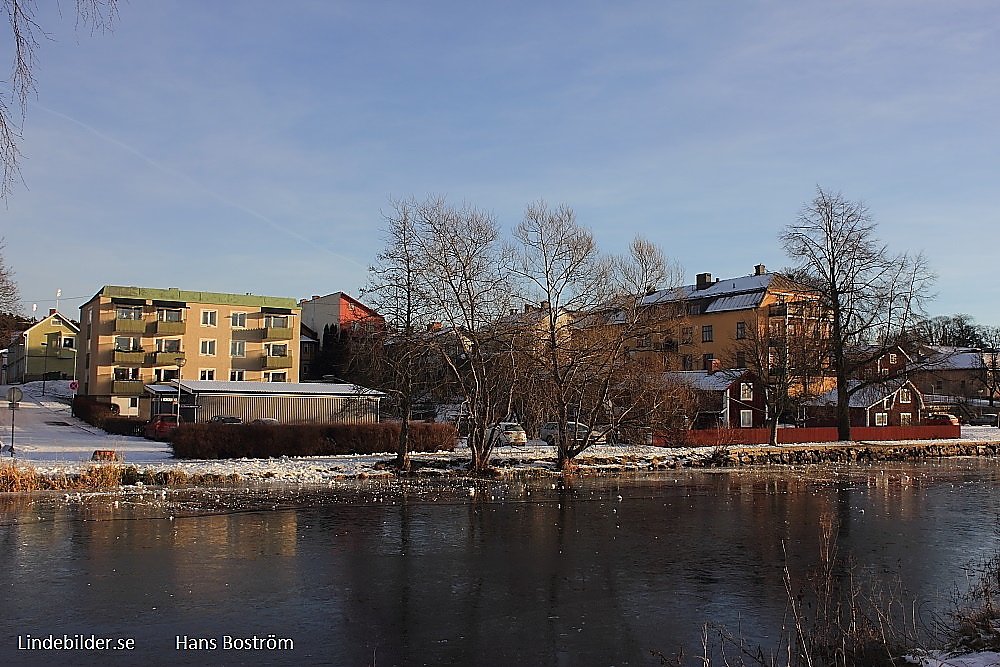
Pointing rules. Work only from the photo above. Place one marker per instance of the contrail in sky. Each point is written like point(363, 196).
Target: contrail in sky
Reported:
point(199, 186)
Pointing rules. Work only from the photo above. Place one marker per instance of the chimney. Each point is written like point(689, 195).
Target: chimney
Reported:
point(52, 311)
point(315, 296)
point(703, 280)
point(759, 270)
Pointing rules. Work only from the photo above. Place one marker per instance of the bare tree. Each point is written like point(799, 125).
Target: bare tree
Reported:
point(396, 357)
point(990, 373)
point(98, 15)
point(589, 309)
point(957, 330)
point(872, 297)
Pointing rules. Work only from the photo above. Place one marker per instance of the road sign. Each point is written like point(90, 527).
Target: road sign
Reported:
point(14, 394)
point(74, 385)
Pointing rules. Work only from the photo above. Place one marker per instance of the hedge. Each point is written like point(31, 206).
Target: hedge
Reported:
point(226, 441)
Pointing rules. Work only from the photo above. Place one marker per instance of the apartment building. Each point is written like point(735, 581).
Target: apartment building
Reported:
point(134, 336)
point(706, 325)
point(329, 324)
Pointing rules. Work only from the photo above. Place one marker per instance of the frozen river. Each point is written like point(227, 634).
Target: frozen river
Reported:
point(599, 571)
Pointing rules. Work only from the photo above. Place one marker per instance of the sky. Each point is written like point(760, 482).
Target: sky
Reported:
point(254, 147)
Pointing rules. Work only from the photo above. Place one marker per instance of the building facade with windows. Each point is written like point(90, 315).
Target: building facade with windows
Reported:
point(329, 326)
point(45, 350)
point(134, 336)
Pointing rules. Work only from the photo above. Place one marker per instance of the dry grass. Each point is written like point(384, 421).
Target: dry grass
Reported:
point(18, 477)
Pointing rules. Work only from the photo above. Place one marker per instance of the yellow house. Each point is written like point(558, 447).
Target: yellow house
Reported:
point(134, 336)
point(46, 350)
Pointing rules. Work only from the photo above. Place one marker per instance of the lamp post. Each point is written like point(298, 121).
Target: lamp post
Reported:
point(180, 364)
point(45, 364)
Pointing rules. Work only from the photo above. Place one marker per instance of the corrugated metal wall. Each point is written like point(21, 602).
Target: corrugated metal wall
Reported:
point(291, 409)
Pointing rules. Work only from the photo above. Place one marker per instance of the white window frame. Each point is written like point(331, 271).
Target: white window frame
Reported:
point(905, 396)
point(161, 374)
point(905, 418)
point(209, 318)
point(237, 375)
point(881, 418)
point(746, 418)
point(131, 372)
point(161, 345)
point(206, 347)
point(134, 344)
point(746, 391)
point(237, 348)
point(206, 374)
point(162, 314)
point(238, 320)
point(128, 312)
point(273, 376)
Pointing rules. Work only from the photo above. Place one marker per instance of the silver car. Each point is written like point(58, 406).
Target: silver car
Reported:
point(507, 433)
point(577, 431)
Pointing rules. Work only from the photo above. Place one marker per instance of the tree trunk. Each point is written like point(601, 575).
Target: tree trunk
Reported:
point(403, 447)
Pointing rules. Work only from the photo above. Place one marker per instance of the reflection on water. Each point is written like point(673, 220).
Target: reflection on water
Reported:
point(575, 572)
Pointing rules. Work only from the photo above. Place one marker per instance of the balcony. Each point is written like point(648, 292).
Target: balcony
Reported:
point(130, 326)
point(65, 353)
point(277, 333)
point(164, 328)
point(166, 358)
point(130, 356)
point(127, 387)
point(272, 363)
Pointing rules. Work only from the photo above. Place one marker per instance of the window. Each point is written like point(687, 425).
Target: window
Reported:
point(904, 396)
point(128, 313)
point(168, 344)
point(276, 321)
point(168, 314)
point(126, 374)
point(741, 360)
point(164, 374)
point(238, 320)
point(905, 418)
point(275, 377)
point(892, 358)
point(687, 363)
point(133, 402)
point(237, 348)
point(706, 333)
point(741, 330)
point(706, 361)
point(276, 349)
point(881, 418)
point(207, 347)
point(208, 318)
point(206, 374)
point(236, 376)
point(126, 344)
point(69, 342)
point(746, 418)
point(687, 335)
point(746, 391)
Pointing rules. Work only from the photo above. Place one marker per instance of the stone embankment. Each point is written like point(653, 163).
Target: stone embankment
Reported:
point(844, 452)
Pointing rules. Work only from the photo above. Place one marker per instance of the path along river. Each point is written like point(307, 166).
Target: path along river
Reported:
point(579, 571)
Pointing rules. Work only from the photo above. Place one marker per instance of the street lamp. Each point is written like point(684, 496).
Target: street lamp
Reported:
point(180, 364)
point(45, 363)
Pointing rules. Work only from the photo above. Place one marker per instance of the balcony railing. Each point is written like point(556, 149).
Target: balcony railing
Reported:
point(130, 356)
point(126, 387)
point(164, 328)
point(166, 358)
point(277, 333)
point(130, 326)
point(270, 363)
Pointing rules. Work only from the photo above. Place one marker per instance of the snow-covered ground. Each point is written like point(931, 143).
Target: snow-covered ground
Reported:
point(51, 440)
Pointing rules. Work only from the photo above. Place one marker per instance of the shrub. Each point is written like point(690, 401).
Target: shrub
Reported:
point(216, 441)
point(124, 425)
point(93, 411)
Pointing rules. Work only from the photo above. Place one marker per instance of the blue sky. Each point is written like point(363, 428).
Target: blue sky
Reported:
point(252, 146)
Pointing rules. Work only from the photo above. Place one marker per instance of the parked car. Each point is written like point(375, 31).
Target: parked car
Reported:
point(223, 419)
point(985, 419)
point(577, 431)
point(507, 433)
point(941, 419)
point(270, 421)
point(160, 427)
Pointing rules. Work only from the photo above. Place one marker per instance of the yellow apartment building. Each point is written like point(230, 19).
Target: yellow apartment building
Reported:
point(134, 336)
point(44, 351)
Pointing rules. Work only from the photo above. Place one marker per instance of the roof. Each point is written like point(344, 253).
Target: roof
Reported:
point(174, 294)
point(705, 381)
point(866, 396)
point(727, 287)
point(952, 359)
point(264, 388)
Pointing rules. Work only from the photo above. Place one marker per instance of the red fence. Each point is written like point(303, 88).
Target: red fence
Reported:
point(787, 436)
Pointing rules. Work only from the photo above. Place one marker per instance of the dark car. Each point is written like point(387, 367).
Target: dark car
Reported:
point(985, 419)
point(160, 427)
point(222, 419)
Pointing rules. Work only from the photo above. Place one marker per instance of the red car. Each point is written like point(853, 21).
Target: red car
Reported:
point(160, 427)
point(941, 419)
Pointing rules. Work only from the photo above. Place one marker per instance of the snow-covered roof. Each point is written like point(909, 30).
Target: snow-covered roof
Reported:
point(268, 388)
point(952, 359)
point(866, 396)
point(720, 288)
point(705, 381)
